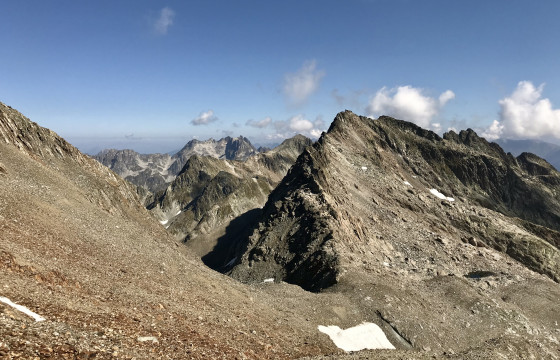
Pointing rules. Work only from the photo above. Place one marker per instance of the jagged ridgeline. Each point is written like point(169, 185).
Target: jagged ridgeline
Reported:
point(155, 171)
point(373, 190)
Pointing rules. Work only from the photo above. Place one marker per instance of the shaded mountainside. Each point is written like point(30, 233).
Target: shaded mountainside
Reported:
point(208, 193)
point(155, 171)
point(385, 208)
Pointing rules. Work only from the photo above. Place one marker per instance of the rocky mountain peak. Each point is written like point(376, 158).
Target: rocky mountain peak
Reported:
point(31, 138)
point(320, 216)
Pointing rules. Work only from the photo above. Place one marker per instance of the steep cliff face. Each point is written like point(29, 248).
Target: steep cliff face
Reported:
point(545, 150)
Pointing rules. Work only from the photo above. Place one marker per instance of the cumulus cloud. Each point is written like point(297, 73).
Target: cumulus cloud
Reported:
point(525, 114)
point(204, 118)
point(298, 125)
point(494, 131)
point(300, 85)
point(164, 20)
point(259, 124)
point(408, 103)
point(445, 97)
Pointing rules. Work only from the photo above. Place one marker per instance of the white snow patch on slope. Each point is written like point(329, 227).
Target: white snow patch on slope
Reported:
point(364, 168)
point(363, 336)
point(407, 183)
point(230, 263)
point(207, 149)
point(440, 195)
point(21, 308)
point(270, 280)
point(163, 222)
point(180, 211)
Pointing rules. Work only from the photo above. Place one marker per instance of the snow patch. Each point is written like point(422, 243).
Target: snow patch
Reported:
point(22, 308)
point(163, 222)
point(231, 262)
point(178, 212)
point(147, 338)
point(363, 336)
point(407, 183)
point(269, 280)
point(440, 195)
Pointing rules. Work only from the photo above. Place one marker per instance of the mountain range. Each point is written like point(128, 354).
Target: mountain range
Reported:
point(448, 246)
point(153, 171)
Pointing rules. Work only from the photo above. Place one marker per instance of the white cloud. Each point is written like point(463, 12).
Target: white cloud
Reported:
point(524, 114)
point(259, 124)
point(408, 103)
point(315, 133)
point(204, 118)
point(494, 131)
point(298, 125)
point(340, 99)
point(302, 84)
point(164, 21)
point(436, 127)
point(445, 97)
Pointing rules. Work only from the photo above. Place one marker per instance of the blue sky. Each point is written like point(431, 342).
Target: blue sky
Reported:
point(152, 75)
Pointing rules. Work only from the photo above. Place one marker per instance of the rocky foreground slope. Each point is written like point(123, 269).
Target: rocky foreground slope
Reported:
point(155, 171)
point(451, 241)
point(79, 249)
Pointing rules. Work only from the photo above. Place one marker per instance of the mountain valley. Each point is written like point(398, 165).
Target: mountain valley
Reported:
point(448, 244)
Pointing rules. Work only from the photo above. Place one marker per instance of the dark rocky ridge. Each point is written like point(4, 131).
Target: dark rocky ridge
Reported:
point(303, 219)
